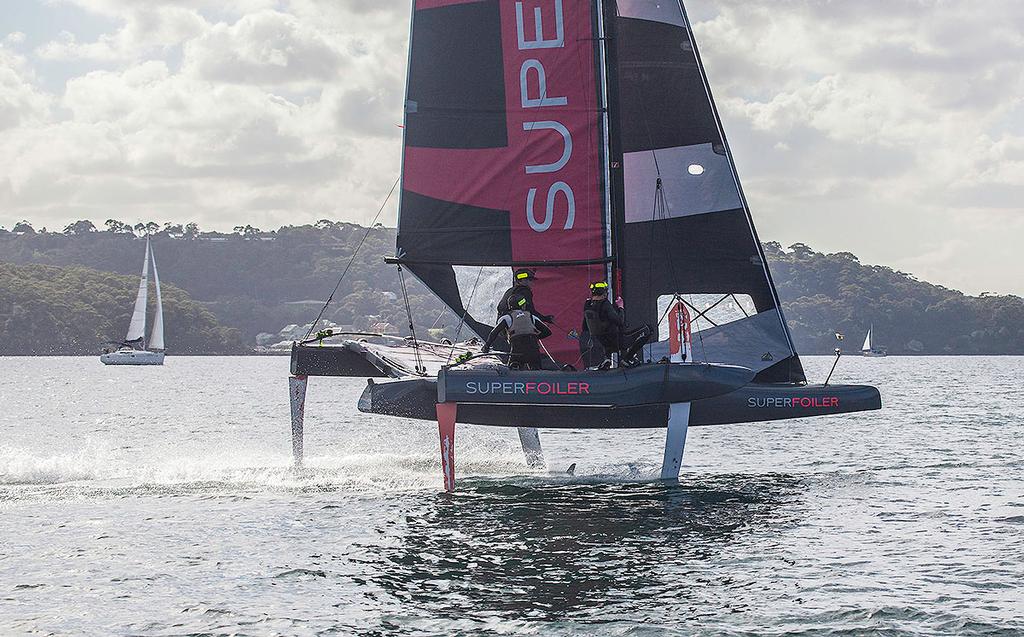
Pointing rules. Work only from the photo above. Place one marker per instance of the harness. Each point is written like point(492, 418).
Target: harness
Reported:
point(522, 324)
point(597, 325)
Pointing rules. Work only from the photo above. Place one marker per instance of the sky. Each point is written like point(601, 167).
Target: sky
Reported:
point(893, 129)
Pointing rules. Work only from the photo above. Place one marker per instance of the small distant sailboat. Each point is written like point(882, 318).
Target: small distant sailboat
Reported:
point(133, 350)
point(869, 350)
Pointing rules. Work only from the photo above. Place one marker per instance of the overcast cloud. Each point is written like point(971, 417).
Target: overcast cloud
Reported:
point(891, 129)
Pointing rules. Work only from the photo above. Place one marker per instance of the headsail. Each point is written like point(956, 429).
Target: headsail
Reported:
point(504, 161)
point(137, 328)
point(156, 337)
point(867, 341)
point(683, 228)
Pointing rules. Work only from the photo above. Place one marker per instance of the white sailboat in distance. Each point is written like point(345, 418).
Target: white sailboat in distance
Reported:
point(134, 350)
point(872, 351)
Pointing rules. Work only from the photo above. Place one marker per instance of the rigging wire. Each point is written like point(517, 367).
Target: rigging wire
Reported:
point(352, 260)
point(420, 369)
point(465, 313)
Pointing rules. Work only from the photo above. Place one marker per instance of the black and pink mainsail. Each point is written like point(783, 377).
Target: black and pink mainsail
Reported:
point(580, 138)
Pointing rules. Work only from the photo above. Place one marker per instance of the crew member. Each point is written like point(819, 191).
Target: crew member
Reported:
point(522, 286)
point(524, 331)
point(604, 322)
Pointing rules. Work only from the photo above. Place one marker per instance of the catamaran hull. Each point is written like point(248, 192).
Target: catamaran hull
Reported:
point(417, 398)
point(134, 357)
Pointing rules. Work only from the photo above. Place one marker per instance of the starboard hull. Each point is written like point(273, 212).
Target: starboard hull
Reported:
point(417, 398)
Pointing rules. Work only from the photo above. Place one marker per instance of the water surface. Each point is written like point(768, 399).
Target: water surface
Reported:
point(162, 501)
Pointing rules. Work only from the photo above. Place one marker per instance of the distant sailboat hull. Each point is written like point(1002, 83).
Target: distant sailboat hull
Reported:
point(132, 357)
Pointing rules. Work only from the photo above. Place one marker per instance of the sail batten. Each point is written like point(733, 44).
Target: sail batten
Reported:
point(137, 327)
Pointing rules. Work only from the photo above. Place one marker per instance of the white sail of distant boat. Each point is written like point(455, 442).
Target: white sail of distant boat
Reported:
point(867, 341)
point(137, 328)
point(156, 337)
point(133, 350)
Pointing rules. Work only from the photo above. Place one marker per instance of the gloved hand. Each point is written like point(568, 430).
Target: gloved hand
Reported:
point(485, 349)
point(618, 303)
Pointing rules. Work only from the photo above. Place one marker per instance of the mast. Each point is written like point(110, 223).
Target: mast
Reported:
point(616, 216)
point(137, 327)
point(156, 337)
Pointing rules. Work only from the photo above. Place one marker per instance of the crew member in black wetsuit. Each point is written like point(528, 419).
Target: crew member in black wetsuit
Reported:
point(524, 332)
point(521, 286)
point(604, 322)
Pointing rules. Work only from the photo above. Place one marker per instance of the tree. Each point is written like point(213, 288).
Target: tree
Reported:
point(152, 227)
point(801, 250)
point(140, 229)
point(191, 231)
point(117, 227)
point(174, 230)
point(83, 226)
point(23, 227)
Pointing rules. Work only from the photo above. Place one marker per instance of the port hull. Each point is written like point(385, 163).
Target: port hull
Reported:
point(416, 397)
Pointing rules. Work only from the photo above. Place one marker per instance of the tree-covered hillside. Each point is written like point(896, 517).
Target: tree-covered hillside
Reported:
point(259, 281)
point(827, 293)
point(52, 310)
point(253, 281)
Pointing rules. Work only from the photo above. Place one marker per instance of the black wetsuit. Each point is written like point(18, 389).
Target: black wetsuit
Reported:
point(525, 341)
point(526, 292)
point(605, 324)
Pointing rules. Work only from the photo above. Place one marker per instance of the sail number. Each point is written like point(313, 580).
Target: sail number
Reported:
point(532, 74)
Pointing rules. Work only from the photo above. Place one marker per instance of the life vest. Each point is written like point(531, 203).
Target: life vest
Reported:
point(597, 325)
point(522, 324)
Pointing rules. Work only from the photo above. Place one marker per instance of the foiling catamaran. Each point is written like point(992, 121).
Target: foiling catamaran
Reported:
point(578, 138)
point(134, 350)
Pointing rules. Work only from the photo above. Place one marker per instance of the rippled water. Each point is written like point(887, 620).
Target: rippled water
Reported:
point(162, 501)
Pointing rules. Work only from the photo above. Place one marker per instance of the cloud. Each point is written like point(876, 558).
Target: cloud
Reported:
point(890, 128)
point(267, 48)
point(884, 128)
point(21, 102)
point(146, 30)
